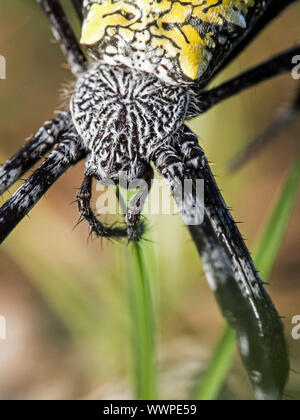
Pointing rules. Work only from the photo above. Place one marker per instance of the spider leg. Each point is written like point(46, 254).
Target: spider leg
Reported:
point(136, 229)
point(204, 100)
point(244, 300)
point(84, 205)
point(34, 149)
point(64, 34)
point(171, 166)
point(234, 303)
point(78, 7)
point(283, 118)
point(66, 154)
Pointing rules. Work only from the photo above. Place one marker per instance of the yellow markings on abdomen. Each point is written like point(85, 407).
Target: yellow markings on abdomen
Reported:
point(176, 27)
point(103, 16)
point(229, 11)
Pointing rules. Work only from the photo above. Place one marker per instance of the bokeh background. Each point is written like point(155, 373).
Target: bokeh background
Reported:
point(66, 298)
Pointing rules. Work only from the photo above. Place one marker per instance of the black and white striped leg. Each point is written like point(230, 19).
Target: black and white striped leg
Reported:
point(66, 154)
point(283, 118)
point(216, 263)
point(244, 301)
point(43, 141)
point(205, 100)
point(171, 166)
point(136, 228)
point(84, 205)
point(64, 34)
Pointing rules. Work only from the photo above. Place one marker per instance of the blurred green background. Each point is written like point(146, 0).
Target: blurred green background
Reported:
point(65, 298)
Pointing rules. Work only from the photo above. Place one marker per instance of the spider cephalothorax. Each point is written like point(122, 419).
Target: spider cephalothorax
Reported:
point(122, 116)
point(153, 60)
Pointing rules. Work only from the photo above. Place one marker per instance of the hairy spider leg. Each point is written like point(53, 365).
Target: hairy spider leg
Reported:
point(285, 116)
point(240, 292)
point(64, 34)
point(205, 100)
point(260, 320)
point(43, 141)
point(66, 154)
point(135, 228)
point(277, 65)
point(84, 206)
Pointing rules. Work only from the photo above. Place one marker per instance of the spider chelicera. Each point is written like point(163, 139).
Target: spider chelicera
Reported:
point(151, 63)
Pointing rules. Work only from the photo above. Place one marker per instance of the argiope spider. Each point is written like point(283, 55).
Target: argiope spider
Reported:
point(152, 61)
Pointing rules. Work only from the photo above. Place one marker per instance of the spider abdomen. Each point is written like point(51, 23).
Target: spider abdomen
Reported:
point(123, 115)
point(180, 42)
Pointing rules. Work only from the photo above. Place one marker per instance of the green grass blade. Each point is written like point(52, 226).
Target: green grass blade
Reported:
point(271, 239)
point(267, 251)
point(218, 368)
point(142, 326)
point(143, 323)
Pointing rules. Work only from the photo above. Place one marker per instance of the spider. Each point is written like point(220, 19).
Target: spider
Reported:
point(151, 62)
